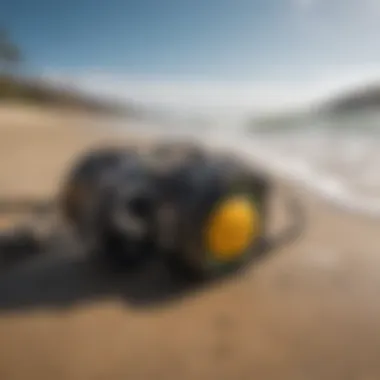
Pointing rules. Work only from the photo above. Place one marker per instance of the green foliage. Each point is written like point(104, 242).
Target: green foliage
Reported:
point(10, 53)
point(14, 88)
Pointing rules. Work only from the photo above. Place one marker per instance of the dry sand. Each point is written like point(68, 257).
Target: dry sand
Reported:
point(310, 311)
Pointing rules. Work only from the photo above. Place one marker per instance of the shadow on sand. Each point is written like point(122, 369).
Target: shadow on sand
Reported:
point(60, 281)
point(62, 278)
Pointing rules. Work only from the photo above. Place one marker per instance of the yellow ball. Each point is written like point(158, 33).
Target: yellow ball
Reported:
point(233, 225)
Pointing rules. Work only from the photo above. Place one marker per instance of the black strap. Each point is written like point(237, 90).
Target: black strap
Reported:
point(294, 230)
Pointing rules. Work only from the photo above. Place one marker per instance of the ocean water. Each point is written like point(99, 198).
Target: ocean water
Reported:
point(338, 160)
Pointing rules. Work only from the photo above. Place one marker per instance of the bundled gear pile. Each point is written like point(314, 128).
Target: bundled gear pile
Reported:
point(204, 214)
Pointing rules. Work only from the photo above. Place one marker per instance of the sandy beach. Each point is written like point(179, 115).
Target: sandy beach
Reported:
point(309, 311)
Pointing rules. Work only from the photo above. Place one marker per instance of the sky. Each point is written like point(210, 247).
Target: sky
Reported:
point(242, 54)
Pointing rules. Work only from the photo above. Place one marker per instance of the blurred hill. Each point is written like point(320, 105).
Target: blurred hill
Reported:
point(342, 108)
point(16, 87)
point(363, 99)
point(20, 90)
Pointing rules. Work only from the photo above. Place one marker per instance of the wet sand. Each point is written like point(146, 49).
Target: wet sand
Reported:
point(309, 311)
